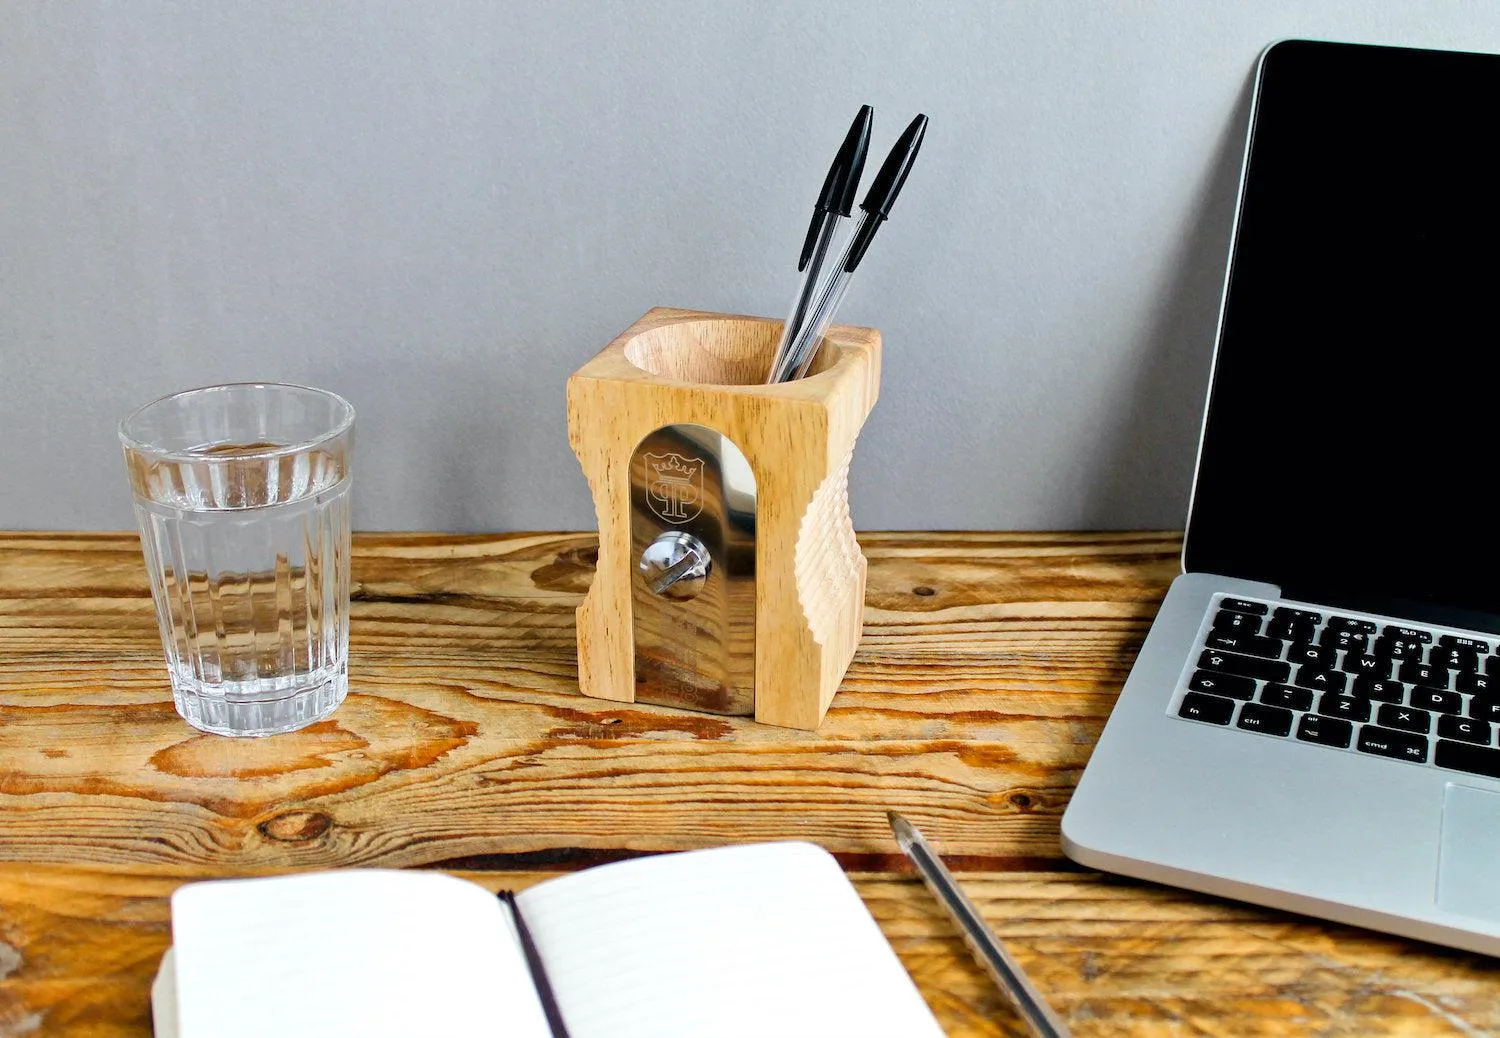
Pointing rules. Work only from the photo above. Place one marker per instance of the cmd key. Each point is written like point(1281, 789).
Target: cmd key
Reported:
point(1387, 742)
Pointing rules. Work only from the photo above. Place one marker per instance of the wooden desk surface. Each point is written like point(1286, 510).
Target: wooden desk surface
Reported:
point(988, 666)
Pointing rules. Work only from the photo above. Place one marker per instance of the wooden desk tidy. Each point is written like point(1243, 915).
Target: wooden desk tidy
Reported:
point(686, 368)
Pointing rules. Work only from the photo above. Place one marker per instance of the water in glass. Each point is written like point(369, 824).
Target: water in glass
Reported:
point(247, 546)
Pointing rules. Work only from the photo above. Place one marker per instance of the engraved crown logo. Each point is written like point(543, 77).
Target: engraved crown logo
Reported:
point(674, 489)
point(674, 467)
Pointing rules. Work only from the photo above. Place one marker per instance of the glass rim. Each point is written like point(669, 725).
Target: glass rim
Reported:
point(131, 443)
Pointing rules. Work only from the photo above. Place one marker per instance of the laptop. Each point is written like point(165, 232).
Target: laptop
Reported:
point(1311, 721)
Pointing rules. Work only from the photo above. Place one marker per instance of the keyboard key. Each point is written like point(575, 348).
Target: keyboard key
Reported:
point(1326, 731)
point(1461, 756)
point(1244, 605)
point(1453, 658)
point(1374, 666)
point(1314, 656)
point(1257, 717)
point(1222, 684)
point(1476, 684)
point(1240, 623)
point(1396, 649)
point(1407, 634)
point(1321, 680)
point(1387, 742)
point(1331, 704)
point(1464, 728)
point(1250, 644)
point(1198, 707)
point(1406, 718)
point(1292, 630)
point(1350, 624)
point(1382, 690)
point(1244, 666)
point(1422, 674)
point(1485, 709)
point(1436, 699)
point(1306, 616)
point(1345, 641)
point(1287, 696)
point(1455, 641)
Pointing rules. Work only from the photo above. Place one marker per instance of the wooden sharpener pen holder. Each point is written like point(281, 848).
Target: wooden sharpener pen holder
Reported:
point(729, 579)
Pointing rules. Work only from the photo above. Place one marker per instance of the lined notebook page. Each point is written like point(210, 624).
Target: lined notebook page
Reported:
point(380, 954)
point(734, 942)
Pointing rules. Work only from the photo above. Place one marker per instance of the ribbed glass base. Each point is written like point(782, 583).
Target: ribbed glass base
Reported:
point(259, 707)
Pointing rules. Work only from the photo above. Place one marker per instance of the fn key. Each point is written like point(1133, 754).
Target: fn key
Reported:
point(1198, 707)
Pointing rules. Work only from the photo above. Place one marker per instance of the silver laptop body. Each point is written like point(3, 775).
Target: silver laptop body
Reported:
point(1339, 509)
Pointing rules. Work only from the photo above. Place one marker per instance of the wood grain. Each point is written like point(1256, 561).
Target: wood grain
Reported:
point(682, 367)
point(988, 665)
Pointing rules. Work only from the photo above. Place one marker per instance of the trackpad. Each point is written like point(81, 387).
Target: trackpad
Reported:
point(1470, 851)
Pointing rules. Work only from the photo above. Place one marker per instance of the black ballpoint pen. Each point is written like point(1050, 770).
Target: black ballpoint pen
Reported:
point(986, 947)
point(835, 202)
point(876, 206)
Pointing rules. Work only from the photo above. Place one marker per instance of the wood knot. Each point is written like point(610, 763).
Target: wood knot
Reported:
point(571, 570)
point(1021, 801)
point(923, 591)
point(295, 826)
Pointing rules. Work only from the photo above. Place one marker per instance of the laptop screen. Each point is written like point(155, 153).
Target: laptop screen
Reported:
point(1351, 445)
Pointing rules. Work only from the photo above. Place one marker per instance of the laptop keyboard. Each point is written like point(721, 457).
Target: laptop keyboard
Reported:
point(1346, 681)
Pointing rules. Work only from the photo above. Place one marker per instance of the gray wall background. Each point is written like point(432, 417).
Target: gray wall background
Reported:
point(442, 209)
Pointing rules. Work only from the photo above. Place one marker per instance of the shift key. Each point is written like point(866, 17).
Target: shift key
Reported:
point(1244, 666)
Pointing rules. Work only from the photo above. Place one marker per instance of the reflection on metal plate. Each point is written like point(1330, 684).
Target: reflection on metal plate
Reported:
point(692, 534)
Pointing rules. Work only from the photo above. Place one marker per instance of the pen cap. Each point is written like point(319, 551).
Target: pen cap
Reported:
point(842, 182)
point(886, 186)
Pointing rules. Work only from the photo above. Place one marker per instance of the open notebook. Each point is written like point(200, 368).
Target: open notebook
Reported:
point(737, 942)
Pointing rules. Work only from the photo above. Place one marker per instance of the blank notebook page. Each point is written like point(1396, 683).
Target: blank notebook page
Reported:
point(735, 942)
point(378, 954)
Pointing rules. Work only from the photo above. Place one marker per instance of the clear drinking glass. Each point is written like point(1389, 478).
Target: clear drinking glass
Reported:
point(242, 495)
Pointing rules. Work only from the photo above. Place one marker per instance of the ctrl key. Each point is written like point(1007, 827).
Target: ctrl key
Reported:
point(1198, 707)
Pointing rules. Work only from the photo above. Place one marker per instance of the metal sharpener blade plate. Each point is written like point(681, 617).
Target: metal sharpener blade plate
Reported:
point(691, 489)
